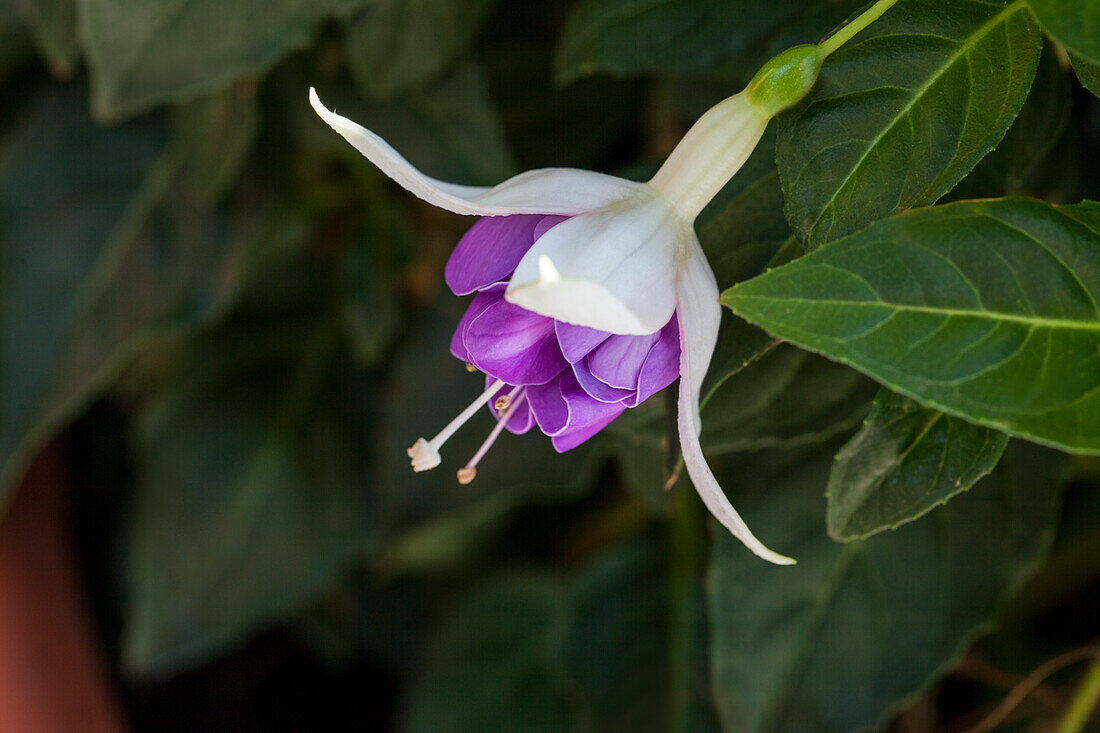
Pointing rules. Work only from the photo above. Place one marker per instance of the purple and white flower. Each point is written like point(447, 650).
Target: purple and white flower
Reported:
point(591, 292)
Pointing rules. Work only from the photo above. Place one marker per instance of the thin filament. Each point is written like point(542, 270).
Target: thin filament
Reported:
point(465, 415)
point(466, 474)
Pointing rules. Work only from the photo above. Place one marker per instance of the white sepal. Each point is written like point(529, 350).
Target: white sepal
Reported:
point(699, 313)
point(612, 269)
point(563, 191)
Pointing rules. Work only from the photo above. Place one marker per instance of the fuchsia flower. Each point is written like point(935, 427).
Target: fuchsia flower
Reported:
point(592, 292)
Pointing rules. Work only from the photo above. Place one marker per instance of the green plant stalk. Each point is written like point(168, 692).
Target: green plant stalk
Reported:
point(686, 553)
point(1084, 702)
point(845, 34)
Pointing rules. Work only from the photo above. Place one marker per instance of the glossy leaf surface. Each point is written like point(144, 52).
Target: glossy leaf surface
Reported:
point(987, 310)
point(905, 460)
point(1073, 23)
point(927, 90)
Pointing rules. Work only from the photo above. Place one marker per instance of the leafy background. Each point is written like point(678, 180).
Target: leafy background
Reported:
point(235, 325)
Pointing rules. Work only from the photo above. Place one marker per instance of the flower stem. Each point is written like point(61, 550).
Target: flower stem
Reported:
point(686, 554)
point(1084, 703)
point(845, 34)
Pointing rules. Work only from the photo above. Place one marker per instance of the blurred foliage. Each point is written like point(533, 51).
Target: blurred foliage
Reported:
point(185, 247)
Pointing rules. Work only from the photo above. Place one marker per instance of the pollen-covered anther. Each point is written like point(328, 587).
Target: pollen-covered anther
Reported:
point(470, 367)
point(512, 402)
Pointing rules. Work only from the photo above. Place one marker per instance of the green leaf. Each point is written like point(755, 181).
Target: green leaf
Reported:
point(628, 37)
point(1087, 72)
point(1020, 162)
point(396, 46)
point(615, 648)
point(91, 269)
point(216, 134)
point(53, 26)
point(986, 310)
point(254, 487)
point(805, 647)
point(370, 312)
point(903, 112)
point(146, 52)
point(786, 398)
point(492, 664)
point(1073, 23)
point(905, 461)
point(531, 652)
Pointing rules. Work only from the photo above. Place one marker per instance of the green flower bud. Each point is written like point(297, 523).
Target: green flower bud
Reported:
point(786, 79)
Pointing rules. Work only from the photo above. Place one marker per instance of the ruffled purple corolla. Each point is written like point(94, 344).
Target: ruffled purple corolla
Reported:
point(569, 380)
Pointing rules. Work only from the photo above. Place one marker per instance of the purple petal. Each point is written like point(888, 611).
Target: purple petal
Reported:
point(522, 419)
point(662, 366)
point(597, 389)
point(549, 407)
point(481, 301)
point(586, 415)
point(489, 251)
point(546, 224)
point(577, 341)
point(567, 413)
point(618, 360)
point(510, 343)
point(572, 438)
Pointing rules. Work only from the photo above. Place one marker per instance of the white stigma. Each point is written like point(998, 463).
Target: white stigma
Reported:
point(425, 453)
point(424, 456)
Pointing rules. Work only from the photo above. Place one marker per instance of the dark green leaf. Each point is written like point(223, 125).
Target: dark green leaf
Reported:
point(986, 310)
point(370, 312)
point(615, 650)
point(837, 641)
point(529, 652)
point(215, 134)
point(1020, 162)
point(395, 46)
point(91, 268)
point(786, 398)
point(903, 112)
point(626, 37)
point(493, 665)
point(254, 486)
point(146, 52)
point(1073, 23)
point(53, 27)
point(903, 462)
point(1088, 73)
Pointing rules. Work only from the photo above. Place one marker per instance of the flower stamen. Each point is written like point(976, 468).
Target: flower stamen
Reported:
point(425, 453)
point(513, 400)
